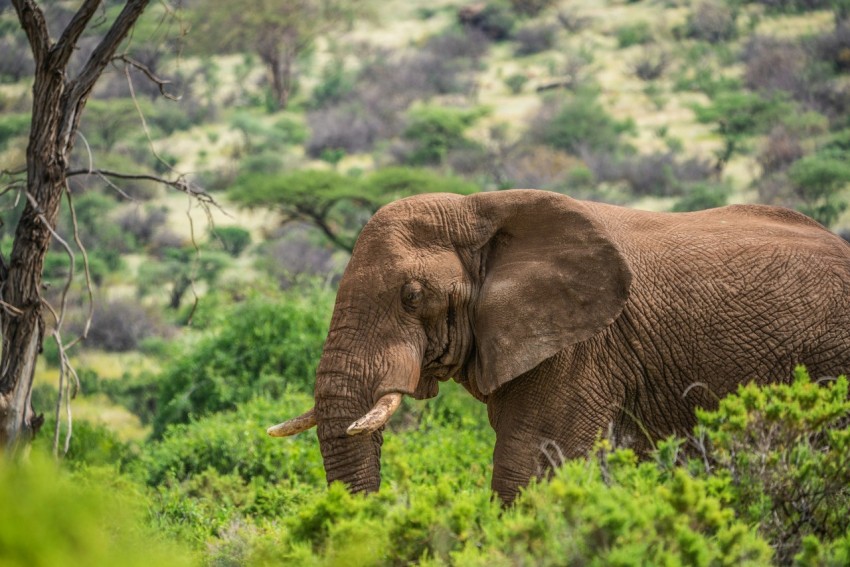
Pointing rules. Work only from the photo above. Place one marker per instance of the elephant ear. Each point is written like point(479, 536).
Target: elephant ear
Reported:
point(550, 277)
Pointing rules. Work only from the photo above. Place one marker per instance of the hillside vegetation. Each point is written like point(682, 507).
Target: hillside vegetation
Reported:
point(207, 322)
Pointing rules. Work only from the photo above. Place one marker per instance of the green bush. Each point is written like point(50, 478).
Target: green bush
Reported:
point(434, 131)
point(263, 347)
point(578, 122)
point(738, 115)
point(701, 196)
point(516, 82)
point(12, 126)
point(820, 181)
point(781, 455)
point(232, 239)
point(391, 183)
point(635, 517)
point(49, 518)
point(639, 33)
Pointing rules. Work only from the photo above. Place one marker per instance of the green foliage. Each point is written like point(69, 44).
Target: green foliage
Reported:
point(263, 346)
point(338, 205)
point(393, 183)
point(311, 187)
point(495, 19)
point(531, 8)
point(782, 457)
point(178, 269)
point(638, 33)
point(635, 518)
point(579, 122)
point(232, 239)
point(434, 131)
point(335, 83)
point(12, 126)
point(712, 21)
point(516, 82)
point(738, 115)
point(701, 196)
point(820, 181)
point(49, 518)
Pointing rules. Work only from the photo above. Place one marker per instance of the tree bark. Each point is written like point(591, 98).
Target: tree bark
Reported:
point(58, 103)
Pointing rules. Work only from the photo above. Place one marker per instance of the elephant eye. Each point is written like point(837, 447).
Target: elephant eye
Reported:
point(412, 295)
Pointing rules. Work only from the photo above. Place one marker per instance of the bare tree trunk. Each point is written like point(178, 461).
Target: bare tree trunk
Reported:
point(58, 103)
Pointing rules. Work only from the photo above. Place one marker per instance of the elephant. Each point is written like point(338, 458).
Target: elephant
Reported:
point(569, 319)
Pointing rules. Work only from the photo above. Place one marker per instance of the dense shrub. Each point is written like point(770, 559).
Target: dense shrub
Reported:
point(388, 83)
point(572, 21)
point(434, 131)
point(538, 167)
point(781, 148)
point(628, 515)
point(576, 123)
point(516, 82)
point(263, 347)
point(120, 325)
point(494, 19)
point(17, 63)
point(701, 196)
point(638, 33)
point(143, 223)
point(793, 6)
point(535, 38)
point(94, 519)
point(776, 64)
point(819, 181)
point(651, 65)
point(13, 126)
point(531, 7)
point(392, 183)
point(782, 454)
point(660, 174)
point(712, 21)
point(833, 48)
point(298, 256)
point(740, 115)
point(231, 239)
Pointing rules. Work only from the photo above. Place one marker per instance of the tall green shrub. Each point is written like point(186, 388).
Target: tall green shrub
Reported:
point(781, 456)
point(263, 347)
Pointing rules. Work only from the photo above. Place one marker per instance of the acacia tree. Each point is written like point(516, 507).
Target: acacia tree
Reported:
point(58, 102)
point(278, 31)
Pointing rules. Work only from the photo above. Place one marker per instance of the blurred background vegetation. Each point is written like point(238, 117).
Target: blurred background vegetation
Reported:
point(302, 119)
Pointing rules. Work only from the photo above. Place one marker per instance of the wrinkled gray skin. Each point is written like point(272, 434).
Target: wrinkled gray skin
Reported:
point(570, 319)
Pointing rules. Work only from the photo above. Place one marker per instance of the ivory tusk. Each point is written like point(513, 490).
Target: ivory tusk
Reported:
point(376, 418)
point(295, 425)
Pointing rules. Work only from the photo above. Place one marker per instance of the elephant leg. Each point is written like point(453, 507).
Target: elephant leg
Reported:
point(537, 428)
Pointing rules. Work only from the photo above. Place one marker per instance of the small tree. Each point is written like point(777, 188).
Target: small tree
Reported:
point(819, 182)
point(179, 269)
point(337, 205)
point(61, 90)
point(737, 116)
point(279, 31)
point(59, 98)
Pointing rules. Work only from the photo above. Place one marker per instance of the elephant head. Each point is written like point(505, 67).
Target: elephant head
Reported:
point(481, 289)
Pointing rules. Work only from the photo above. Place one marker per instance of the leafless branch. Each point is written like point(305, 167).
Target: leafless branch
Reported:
point(181, 183)
point(64, 48)
point(66, 369)
point(86, 269)
point(142, 118)
point(102, 54)
point(160, 82)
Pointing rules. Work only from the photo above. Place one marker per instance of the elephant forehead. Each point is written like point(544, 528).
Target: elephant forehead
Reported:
point(421, 220)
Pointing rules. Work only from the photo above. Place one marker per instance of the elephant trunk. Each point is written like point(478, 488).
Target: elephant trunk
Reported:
point(353, 402)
